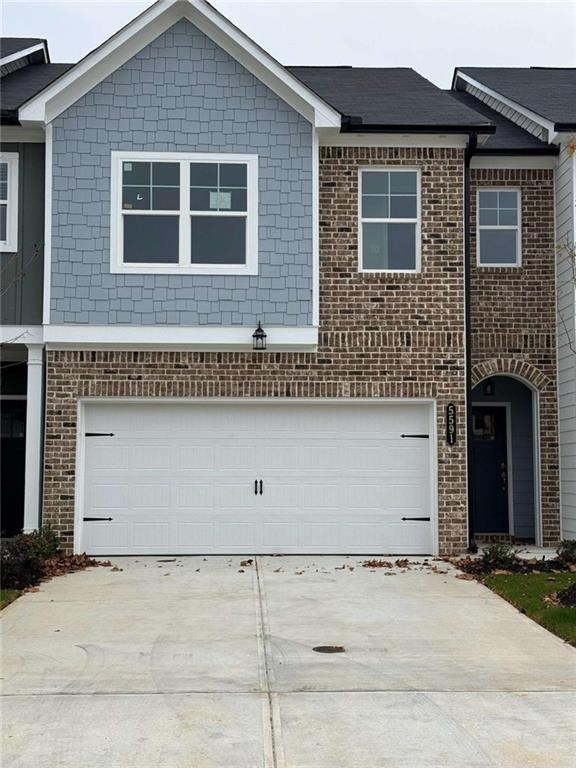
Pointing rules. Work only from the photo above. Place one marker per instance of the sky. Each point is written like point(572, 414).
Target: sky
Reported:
point(432, 36)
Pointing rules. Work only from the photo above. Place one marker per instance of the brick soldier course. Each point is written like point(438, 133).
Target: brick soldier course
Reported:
point(381, 335)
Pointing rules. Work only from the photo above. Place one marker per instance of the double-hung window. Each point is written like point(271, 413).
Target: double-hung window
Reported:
point(9, 201)
point(499, 228)
point(188, 213)
point(389, 237)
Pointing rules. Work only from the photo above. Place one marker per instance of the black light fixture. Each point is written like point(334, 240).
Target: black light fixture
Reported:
point(488, 388)
point(259, 338)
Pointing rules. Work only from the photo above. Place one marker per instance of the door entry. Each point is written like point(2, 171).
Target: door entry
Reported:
point(489, 469)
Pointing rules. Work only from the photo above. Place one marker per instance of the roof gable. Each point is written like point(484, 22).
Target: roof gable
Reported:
point(548, 94)
point(142, 30)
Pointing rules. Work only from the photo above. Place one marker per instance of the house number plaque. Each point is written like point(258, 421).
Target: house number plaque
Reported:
point(451, 424)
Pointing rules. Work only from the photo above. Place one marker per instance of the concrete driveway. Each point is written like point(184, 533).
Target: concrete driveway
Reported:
point(205, 663)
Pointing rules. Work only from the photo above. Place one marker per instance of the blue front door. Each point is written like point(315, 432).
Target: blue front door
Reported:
point(489, 470)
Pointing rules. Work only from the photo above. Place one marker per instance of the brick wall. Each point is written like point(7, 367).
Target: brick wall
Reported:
point(514, 317)
point(381, 336)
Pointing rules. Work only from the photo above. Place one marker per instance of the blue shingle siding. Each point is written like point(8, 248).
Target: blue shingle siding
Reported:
point(181, 93)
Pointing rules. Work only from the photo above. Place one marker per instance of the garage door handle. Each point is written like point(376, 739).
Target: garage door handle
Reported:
point(425, 519)
point(97, 519)
point(260, 487)
point(421, 437)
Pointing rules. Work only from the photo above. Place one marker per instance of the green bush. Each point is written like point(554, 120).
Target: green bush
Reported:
point(567, 552)
point(22, 559)
point(499, 556)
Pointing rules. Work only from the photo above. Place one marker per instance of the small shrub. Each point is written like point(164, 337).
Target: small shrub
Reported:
point(22, 560)
point(567, 596)
point(567, 552)
point(499, 556)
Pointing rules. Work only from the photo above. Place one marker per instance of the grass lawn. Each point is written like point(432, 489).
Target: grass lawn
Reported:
point(7, 596)
point(527, 591)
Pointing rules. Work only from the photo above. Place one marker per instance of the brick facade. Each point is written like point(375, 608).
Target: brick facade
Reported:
point(380, 336)
point(514, 318)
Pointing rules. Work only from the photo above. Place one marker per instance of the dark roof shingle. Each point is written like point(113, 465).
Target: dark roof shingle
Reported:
point(550, 93)
point(19, 86)
point(390, 99)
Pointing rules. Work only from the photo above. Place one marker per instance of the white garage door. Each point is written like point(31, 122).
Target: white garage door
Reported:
point(176, 478)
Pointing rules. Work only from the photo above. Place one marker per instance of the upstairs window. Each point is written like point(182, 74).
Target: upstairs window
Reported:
point(499, 227)
point(9, 201)
point(389, 237)
point(185, 213)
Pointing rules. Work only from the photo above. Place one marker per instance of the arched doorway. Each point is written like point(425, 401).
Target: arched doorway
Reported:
point(504, 478)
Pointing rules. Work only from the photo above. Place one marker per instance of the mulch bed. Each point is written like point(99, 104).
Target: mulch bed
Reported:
point(476, 567)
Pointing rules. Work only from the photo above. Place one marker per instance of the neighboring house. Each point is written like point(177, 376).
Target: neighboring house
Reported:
point(394, 242)
point(542, 102)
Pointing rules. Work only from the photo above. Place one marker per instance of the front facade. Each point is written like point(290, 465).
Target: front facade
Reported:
point(406, 400)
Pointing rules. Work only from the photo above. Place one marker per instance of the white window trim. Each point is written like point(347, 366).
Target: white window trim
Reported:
point(517, 227)
point(117, 265)
point(417, 220)
point(10, 245)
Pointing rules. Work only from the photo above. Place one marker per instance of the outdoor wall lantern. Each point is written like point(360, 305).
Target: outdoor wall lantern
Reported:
point(488, 388)
point(259, 338)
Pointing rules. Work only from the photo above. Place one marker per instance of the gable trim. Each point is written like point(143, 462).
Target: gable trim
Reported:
point(133, 38)
point(547, 124)
point(25, 52)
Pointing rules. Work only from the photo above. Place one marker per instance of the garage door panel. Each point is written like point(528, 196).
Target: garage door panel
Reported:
point(336, 478)
point(149, 496)
point(108, 496)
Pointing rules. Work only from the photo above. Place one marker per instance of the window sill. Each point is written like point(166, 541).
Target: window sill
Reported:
point(176, 269)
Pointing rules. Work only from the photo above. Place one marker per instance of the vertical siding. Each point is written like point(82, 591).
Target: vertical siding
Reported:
point(565, 235)
point(22, 273)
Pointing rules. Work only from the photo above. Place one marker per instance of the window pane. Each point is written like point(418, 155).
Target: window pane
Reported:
point(200, 199)
point(375, 182)
point(488, 199)
point(150, 239)
point(3, 228)
point(375, 207)
point(233, 175)
point(389, 246)
point(136, 173)
point(508, 217)
point(166, 174)
point(403, 182)
point(218, 240)
point(403, 207)
point(165, 198)
point(203, 174)
point(136, 198)
point(3, 181)
point(238, 199)
point(498, 246)
point(508, 199)
point(488, 216)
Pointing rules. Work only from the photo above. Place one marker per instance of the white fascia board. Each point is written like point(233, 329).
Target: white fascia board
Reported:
point(514, 161)
point(331, 138)
point(129, 41)
point(565, 137)
point(21, 334)
point(547, 124)
point(176, 337)
point(23, 53)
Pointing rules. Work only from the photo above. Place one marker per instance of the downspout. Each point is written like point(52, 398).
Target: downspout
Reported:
point(469, 152)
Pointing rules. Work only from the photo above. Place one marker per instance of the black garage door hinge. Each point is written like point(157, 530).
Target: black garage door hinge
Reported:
point(426, 519)
point(423, 437)
point(97, 519)
point(99, 434)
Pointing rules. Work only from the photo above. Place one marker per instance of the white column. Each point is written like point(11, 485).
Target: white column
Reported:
point(33, 461)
